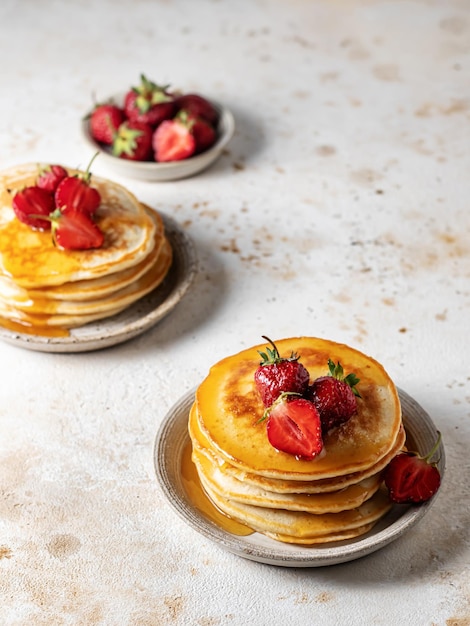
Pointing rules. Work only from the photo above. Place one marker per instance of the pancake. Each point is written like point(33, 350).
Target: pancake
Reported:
point(336, 496)
point(46, 289)
point(28, 257)
point(228, 412)
point(301, 527)
point(227, 486)
point(292, 486)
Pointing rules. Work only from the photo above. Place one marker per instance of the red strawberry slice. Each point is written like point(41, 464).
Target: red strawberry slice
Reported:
point(173, 141)
point(411, 478)
point(105, 119)
point(30, 203)
point(294, 427)
point(75, 230)
point(276, 374)
point(50, 176)
point(75, 193)
point(133, 141)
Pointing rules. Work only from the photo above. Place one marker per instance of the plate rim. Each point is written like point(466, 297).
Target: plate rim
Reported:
point(256, 546)
point(185, 254)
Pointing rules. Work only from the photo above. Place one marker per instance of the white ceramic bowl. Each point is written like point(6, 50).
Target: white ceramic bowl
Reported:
point(160, 172)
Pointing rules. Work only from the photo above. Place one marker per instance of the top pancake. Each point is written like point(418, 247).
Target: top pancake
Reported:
point(229, 410)
point(29, 258)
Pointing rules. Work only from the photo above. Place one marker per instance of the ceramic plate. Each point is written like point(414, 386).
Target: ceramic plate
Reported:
point(160, 172)
point(173, 437)
point(134, 320)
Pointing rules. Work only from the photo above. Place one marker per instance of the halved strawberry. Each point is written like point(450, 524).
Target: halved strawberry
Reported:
point(50, 176)
point(76, 193)
point(75, 230)
point(293, 426)
point(411, 478)
point(276, 374)
point(133, 141)
point(173, 141)
point(31, 203)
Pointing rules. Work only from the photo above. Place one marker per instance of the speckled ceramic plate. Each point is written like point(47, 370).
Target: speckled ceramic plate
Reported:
point(161, 172)
point(134, 320)
point(172, 438)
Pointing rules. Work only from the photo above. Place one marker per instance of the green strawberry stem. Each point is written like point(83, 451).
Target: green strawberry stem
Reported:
point(272, 356)
point(433, 451)
point(336, 370)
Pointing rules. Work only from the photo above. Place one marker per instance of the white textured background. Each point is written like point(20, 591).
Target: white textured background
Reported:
point(340, 209)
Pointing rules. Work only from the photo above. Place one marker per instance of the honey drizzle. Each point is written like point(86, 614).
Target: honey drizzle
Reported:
point(200, 500)
point(29, 329)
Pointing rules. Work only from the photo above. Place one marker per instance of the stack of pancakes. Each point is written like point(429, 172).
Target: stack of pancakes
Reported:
point(44, 287)
point(338, 495)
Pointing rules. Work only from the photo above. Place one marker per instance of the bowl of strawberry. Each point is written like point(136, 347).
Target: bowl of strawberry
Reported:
point(155, 134)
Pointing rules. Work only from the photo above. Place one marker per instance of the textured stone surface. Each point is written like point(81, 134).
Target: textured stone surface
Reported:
point(340, 209)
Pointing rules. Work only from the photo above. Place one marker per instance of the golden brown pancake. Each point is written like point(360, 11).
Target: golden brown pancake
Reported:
point(229, 411)
point(336, 496)
point(43, 286)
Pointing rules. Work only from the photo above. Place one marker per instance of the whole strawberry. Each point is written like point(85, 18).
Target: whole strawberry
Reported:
point(105, 119)
point(204, 133)
point(32, 204)
point(196, 105)
point(50, 176)
point(149, 103)
point(277, 374)
point(334, 396)
point(293, 426)
point(412, 479)
point(133, 141)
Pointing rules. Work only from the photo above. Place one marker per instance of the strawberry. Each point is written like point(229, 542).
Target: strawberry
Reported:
point(31, 203)
point(149, 103)
point(293, 426)
point(411, 478)
point(105, 119)
point(195, 104)
point(50, 176)
point(276, 374)
point(334, 396)
point(133, 141)
point(204, 133)
point(75, 230)
point(76, 193)
point(173, 141)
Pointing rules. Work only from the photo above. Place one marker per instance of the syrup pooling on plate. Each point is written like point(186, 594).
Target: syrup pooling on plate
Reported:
point(47, 290)
point(199, 499)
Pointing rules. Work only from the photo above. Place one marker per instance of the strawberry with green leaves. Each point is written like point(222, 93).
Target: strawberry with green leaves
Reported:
point(293, 426)
point(334, 396)
point(105, 120)
point(149, 103)
point(50, 176)
point(277, 374)
point(75, 193)
point(411, 478)
point(75, 230)
point(133, 141)
point(197, 105)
